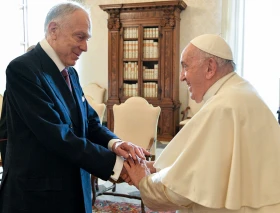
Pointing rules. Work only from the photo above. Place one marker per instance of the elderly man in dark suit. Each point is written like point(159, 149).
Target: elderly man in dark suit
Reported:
point(55, 139)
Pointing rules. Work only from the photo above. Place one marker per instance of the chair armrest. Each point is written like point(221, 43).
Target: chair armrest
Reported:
point(185, 113)
point(152, 156)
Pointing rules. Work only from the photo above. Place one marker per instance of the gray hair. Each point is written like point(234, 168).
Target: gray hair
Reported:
point(59, 11)
point(220, 61)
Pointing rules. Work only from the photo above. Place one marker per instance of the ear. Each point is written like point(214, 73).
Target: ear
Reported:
point(52, 29)
point(212, 68)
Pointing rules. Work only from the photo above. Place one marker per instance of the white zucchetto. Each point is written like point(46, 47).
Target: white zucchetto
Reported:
point(213, 44)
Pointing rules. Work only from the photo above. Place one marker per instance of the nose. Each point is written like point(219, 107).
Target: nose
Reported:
point(83, 46)
point(182, 76)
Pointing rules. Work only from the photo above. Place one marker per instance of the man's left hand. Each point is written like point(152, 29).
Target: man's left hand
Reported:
point(127, 149)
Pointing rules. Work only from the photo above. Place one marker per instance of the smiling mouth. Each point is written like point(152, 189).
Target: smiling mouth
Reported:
point(76, 56)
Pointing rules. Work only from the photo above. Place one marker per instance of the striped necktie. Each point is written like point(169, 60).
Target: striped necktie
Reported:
point(66, 77)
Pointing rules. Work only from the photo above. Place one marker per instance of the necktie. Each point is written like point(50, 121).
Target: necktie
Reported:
point(66, 77)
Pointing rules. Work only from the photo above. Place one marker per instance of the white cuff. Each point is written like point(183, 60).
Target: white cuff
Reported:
point(111, 143)
point(117, 168)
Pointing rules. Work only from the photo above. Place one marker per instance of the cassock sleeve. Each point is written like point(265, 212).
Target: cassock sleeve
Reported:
point(158, 197)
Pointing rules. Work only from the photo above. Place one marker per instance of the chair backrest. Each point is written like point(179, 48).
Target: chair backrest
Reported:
point(136, 121)
point(98, 107)
point(95, 91)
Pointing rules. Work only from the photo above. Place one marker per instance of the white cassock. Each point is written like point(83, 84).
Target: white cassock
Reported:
point(226, 159)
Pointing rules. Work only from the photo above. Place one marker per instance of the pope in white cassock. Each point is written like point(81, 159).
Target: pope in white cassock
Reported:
point(226, 159)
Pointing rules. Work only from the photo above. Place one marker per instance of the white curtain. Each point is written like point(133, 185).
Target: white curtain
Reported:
point(261, 49)
point(251, 28)
point(233, 29)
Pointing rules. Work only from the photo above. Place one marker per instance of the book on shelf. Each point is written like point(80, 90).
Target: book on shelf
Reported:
point(130, 32)
point(130, 70)
point(150, 89)
point(151, 32)
point(130, 49)
point(150, 49)
point(130, 89)
point(150, 73)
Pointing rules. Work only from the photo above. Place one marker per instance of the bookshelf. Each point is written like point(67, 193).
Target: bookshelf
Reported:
point(143, 60)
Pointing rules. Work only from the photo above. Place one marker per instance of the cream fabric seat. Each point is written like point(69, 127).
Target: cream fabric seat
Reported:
point(98, 107)
point(95, 91)
point(136, 121)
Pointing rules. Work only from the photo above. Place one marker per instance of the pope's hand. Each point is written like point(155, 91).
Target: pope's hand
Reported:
point(125, 177)
point(127, 149)
point(136, 169)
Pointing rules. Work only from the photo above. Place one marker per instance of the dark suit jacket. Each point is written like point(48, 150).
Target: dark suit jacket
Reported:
point(51, 135)
point(3, 131)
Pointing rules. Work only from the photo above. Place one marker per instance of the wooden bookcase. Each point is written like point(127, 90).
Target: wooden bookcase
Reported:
point(143, 40)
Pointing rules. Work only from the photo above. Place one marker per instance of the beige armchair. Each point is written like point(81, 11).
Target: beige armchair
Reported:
point(95, 91)
point(136, 121)
point(98, 107)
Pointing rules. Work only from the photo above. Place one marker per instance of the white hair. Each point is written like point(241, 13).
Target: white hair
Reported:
point(60, 11)
point(220, 61)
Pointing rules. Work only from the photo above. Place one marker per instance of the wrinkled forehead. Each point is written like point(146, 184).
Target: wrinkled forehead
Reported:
point(79, 20)
point(190, 52)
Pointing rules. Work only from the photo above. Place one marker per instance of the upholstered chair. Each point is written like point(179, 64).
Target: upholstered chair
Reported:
point(98, 107)
point(95, 91)
point(136, 121)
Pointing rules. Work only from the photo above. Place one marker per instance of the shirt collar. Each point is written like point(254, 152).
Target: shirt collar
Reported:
point(52, 54)
point(216, 86)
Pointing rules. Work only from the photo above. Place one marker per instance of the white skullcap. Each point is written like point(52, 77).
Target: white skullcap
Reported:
point(213, 44)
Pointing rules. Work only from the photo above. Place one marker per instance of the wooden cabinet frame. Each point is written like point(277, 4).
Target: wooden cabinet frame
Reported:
point(166, 16)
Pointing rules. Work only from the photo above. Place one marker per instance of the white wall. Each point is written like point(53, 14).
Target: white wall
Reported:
point(199, 17)
point(9, 37)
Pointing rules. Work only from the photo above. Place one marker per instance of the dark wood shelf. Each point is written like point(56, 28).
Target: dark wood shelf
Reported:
point(161, 20)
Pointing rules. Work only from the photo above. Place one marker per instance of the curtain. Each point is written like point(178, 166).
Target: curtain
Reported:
point(233, 29)
point(251, 29)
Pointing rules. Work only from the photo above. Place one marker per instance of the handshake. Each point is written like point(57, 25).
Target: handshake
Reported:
point(135, 166)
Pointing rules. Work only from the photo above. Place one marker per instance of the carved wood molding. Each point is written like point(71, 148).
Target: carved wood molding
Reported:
point(141, 15)
point(168, 19)
point(143, 10)
point(114, 19)
point(180, 4)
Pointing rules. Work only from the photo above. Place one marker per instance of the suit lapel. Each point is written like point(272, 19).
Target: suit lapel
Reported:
point(78, 97)
point(59, 86)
